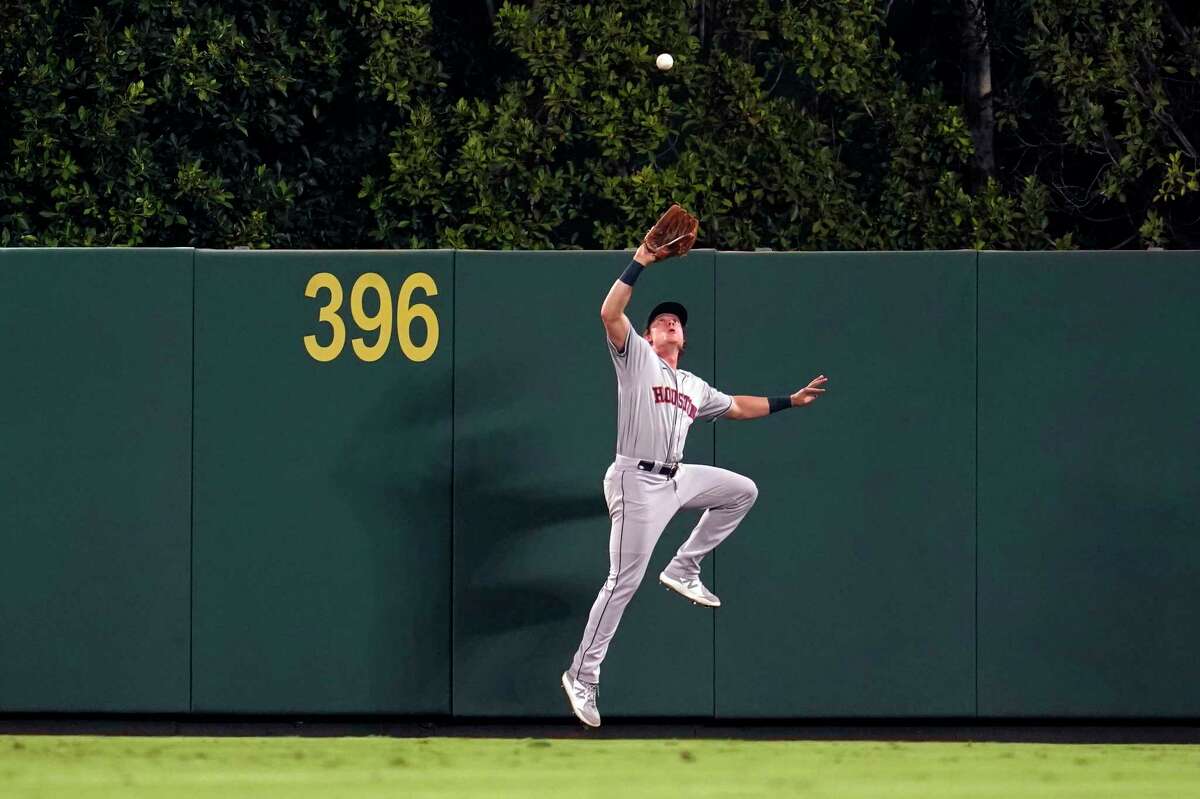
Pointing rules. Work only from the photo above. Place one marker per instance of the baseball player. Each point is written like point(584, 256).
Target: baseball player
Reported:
point(645, 486)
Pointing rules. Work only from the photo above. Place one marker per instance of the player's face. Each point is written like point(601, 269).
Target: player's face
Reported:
point(666, 329)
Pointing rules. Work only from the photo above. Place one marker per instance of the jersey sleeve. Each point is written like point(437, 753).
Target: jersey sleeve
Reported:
point(713, 405)
point(633, 356)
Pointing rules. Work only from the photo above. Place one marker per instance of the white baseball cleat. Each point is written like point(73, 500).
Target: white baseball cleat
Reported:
point(692, 589)
point(582, 696)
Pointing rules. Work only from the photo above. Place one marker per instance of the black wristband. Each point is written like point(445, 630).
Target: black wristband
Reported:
point(778, 404)
point(631, 273)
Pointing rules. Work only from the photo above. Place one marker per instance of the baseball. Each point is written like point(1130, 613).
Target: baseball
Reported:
point(664, 61)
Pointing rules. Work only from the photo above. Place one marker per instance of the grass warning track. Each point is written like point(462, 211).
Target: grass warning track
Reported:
point(87, 767)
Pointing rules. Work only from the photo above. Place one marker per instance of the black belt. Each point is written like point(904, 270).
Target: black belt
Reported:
point(648, 466)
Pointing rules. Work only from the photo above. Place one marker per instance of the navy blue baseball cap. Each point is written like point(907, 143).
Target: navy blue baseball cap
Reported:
point(668, 307)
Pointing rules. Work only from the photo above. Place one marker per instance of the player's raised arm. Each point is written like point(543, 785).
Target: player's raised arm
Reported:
point(612, 312)
point(673, 234)
point(746, 407)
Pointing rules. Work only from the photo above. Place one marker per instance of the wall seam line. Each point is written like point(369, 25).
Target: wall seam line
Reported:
point(453, 444)
point(714, 463)
point(192, 512)
point(978, 257)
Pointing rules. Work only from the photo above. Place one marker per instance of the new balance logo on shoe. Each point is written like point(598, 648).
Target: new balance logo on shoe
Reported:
point(582, 696)
point(692, 589)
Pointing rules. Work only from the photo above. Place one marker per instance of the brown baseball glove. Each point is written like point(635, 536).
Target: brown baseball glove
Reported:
point(673, 234)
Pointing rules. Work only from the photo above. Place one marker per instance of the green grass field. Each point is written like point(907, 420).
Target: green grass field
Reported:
point(87, 767)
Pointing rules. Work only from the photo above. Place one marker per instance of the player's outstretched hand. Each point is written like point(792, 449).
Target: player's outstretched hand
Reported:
point(643, 255)
point(809, 393)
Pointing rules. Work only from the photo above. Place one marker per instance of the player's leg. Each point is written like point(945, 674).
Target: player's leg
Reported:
point(726, 498)
point(640, 507)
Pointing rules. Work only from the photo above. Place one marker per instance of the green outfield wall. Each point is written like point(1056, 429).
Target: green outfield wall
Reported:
point(95, 479)
point(854, 573)
point(321, 549)
point(1089, 484)
point(370, 482)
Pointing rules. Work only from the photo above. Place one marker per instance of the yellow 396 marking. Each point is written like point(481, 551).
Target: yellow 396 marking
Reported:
point(379, 323)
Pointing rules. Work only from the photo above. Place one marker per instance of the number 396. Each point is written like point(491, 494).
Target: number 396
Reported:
point(406, 312)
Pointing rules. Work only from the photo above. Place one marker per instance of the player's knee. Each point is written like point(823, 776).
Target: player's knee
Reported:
point(750, 491)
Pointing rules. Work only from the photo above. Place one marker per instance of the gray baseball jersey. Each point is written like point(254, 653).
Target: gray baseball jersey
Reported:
point(656, 404)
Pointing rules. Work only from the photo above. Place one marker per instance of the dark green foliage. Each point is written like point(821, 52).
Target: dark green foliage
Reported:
point(1113, 108)
point(791, 124)
point(212, 124)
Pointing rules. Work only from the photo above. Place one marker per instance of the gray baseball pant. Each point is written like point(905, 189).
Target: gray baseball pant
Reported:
point(640, 505)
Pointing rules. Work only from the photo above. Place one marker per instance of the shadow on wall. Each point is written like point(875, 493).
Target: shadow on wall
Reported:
point(393, 472)
point(514, 499)
point(521, 482)
point(511, 519)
